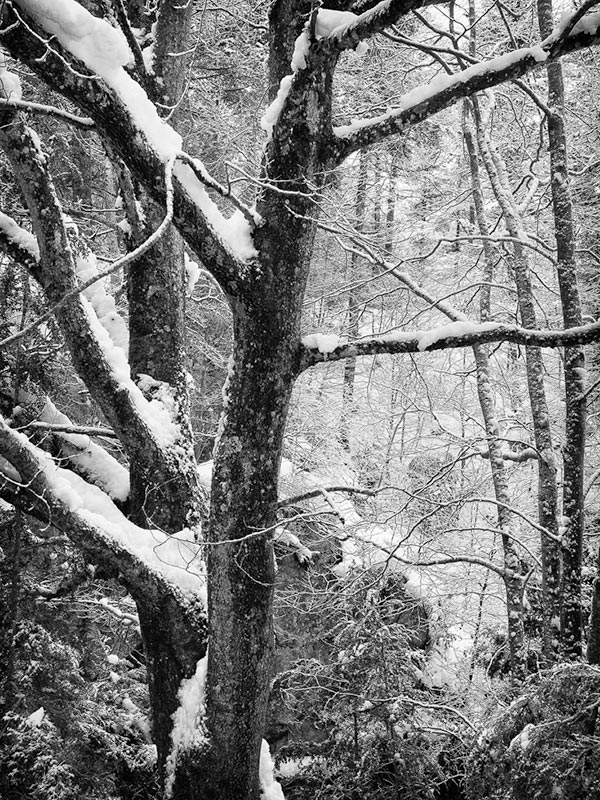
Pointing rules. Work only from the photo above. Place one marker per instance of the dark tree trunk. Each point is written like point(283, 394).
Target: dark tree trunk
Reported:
point(571, 617)
point(353, 301)
point(10, 590)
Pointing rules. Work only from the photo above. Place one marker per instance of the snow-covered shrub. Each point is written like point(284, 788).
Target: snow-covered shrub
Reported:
point(545, 744)
point(31, 767)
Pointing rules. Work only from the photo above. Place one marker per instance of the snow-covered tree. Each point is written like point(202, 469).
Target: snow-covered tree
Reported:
point(204, 593)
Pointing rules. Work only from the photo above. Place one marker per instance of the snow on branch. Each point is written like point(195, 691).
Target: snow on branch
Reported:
point(452, 335)
point(93, 522)
point(87, 457)
point(96, 352)
point(347, 29)
point(444, 90)
point(19, 244)
point(128, 120)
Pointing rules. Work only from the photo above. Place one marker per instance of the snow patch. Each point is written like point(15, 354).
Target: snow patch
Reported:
point(234, 232)
point(102, 302)
point(192, 273)
point(270, 788)
point(188, 727)
point(154, 413)
point(271, 115)
point(332, 23)
point(105, 470)
point(324, 343)
point(10, 85)
point(35, 719)
point(19, 236)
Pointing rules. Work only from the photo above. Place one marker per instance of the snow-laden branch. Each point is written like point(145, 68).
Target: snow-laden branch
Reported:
point(20, 245)
point(150, 560)
point(444, 90)
point(347, 28)
point(119, 263)
point(317, 348)
point(85, 456)
point(100, 359)
point(127, 119)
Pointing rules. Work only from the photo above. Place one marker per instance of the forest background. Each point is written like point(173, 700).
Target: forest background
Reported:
point(339, 338)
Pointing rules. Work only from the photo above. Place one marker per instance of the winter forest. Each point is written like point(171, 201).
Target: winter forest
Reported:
point(300, 400)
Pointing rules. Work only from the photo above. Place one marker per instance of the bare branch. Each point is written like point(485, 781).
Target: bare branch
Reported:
point(56, 427)
point(50, 111)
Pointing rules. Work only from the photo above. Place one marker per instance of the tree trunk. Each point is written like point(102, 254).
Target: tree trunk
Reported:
point(353, 301)
point(513, 580)
point(547, 478)
point(571, 618)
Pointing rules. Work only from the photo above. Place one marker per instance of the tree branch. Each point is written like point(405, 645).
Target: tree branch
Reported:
point(444, 90)
point(459, 334)
point(115, 123)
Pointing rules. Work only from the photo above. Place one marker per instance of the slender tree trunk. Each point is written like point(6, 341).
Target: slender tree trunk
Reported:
point(353, 301)
point(513, 579)
point(574, 364)
point(547, 478)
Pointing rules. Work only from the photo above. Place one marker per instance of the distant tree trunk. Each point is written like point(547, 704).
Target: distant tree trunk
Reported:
point(547, 478)
point(513, 579)
point(574, 363)
point(353, 300)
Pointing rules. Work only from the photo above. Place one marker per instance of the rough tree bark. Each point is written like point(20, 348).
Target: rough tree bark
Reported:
point(571, 618)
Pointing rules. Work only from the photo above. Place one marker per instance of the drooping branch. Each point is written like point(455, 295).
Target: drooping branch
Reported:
point(96, 526)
